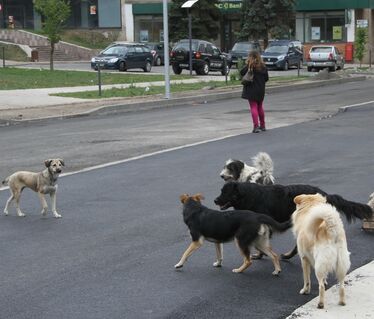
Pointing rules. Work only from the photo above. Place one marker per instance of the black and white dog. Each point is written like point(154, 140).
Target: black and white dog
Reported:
point(260, 173)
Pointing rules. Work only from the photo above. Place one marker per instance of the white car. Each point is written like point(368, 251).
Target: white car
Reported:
point(325, 56)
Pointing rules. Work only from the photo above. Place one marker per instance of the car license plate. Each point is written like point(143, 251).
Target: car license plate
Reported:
point(269, 63)
point(183, 65)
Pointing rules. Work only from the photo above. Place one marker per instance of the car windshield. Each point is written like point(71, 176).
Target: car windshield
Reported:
point(242, 47)
point(321, 49)
point(277, 49)
point(115, 50)
point(186, 45)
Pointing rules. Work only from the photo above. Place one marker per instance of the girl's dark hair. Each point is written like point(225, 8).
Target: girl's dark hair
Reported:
point(254, 61)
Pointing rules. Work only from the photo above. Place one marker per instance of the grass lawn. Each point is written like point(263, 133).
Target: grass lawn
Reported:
point(12, 52)
point(17, 78)
point(174, 88)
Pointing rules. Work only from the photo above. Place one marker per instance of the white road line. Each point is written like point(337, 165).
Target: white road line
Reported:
point(95, 167)
point(91, 168)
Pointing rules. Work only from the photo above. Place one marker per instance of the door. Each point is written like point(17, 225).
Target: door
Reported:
point(130, 58)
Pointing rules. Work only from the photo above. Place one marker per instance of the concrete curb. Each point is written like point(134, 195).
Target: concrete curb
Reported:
point(114, 107)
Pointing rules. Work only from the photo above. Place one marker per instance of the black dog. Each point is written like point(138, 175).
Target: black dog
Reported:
point(277, 201)
point(246, 227)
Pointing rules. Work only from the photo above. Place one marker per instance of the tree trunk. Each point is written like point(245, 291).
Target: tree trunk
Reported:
point(51, 56)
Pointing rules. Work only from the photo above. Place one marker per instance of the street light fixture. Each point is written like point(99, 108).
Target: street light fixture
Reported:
point(188, 4)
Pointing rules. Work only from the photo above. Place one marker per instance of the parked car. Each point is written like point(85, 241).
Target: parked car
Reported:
point(124, 56)
point(240, 50)
point(325, 56)
point(206, 57)
point(281, 54)
point(157, 50)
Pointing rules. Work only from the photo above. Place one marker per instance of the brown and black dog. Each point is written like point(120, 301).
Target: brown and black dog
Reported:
point(246, 227)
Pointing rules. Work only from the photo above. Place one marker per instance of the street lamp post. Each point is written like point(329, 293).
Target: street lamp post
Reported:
point(188, 4)
point(166, 49)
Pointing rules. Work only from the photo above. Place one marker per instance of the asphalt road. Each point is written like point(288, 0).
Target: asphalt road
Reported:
point(112, 254)
point(84, 142)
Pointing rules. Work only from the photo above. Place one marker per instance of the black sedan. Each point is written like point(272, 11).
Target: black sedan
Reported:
point(124, 56)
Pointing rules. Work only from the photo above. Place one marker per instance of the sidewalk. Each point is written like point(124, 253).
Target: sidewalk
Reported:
point(359, 298)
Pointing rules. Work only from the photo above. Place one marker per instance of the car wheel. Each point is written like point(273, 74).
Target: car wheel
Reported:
point(285, 68)
point(122, 66)
point(148, 67)
point(176, 69)
point(333, 68)
point(309, 68)
point(158, 61)
point(204, 70)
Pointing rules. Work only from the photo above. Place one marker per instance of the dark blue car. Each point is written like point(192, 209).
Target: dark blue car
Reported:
point(124, 56)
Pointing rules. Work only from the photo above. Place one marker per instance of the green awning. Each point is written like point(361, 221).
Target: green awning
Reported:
point(147, 8)
point(319, 5)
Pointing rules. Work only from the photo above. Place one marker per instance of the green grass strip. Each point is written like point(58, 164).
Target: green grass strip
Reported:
point(24, 78)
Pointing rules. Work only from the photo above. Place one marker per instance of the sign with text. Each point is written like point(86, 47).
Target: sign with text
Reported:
point(362, 23)
point(337, 33)
point(229, 5)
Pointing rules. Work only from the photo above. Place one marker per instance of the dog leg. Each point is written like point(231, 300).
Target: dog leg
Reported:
point(290, 254)
point(244, 250)
point(274, 257)
point(259, 255)
point(17, 196)
point(53, 202)
point(10, 199)
point(193, 246)
point(341, 293)
point(44, 204)
point(306, 273)
point(321, 285)
point(219, 251)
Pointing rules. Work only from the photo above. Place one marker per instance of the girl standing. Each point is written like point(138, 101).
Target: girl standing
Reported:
point(254, 91)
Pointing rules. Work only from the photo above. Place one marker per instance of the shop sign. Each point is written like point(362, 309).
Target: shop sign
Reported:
point(362, 23)
point(337, 33)
point(316, 33)
point(229, 5)
point(92, 10)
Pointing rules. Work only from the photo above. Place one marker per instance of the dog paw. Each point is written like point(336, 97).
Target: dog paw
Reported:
point(304, 291)
point(6, 213)
point(276, 272)
point(56, 215)
point(237, 271)
point(21, 215)
point(342, 303)
point(217, 263)
point(177, 266)
point(257, 256)
point(320, 305)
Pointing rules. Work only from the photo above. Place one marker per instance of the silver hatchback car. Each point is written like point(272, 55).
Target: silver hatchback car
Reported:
point(325, 56)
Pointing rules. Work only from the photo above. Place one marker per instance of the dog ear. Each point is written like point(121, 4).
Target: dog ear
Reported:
point(198, 197)
point(183, 198)
point(62, 161)
point(298, 199)
point(47, 162)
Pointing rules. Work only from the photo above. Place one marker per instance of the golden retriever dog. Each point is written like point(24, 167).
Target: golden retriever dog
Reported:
point(321, 243)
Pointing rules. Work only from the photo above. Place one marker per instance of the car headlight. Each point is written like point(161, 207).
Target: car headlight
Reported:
point(114, 60)
point(281, 57)
point(93, 60)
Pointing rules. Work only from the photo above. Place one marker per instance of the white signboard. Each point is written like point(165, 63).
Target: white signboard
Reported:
point(316, 33)
point(362, 23)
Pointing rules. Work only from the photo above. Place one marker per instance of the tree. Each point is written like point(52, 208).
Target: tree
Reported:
point(261, 18)
point(205, 16)
point(54, 14)
point(360, 43)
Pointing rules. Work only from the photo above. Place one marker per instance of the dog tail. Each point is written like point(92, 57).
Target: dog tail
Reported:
point(273, 224)
point(351, 210)
point(371, 202)
point(264, 164)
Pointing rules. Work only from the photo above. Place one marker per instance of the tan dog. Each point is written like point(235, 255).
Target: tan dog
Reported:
point(42, 182)
point(321, 243)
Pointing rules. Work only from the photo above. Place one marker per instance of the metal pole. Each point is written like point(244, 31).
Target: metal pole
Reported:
point(3, 57)
point(190, 37)
point(99, 76)
point(166, 50)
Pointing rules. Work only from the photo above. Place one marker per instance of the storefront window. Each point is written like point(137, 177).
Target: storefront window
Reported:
point(148, 28)
point(327, 28)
